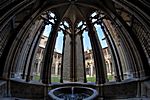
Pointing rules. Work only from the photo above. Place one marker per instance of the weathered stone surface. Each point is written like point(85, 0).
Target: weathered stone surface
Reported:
point(121, 90)
point(145, 91)
point(3, 88)
point(66, 59)
point(79, 60)
point(27, 90)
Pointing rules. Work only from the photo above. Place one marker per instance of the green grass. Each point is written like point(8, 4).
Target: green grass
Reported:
point(53, 79)
point(110, 77)
point(91, 79)
point(36, 77)
point(57, 78)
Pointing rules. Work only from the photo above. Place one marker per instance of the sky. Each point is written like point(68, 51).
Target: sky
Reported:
point(86, 42)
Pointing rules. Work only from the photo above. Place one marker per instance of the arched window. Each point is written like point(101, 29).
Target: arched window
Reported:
point(89, 60)
point(57, 58)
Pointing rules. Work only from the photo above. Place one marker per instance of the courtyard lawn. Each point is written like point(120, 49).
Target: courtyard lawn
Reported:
point(36, 77)
point(110, 77)
point(91, 79)
point(53, 79)
point(57, 78)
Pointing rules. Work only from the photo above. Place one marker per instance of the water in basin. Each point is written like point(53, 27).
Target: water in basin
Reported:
point(73, 93)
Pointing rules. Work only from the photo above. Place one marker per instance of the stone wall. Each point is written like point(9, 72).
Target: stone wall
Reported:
point(121, 90)
point(3, 88)
point(27, 90)
point(145, 89)
point(111, 90)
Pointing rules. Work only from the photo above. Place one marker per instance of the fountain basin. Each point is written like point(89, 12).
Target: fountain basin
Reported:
point(73, 93)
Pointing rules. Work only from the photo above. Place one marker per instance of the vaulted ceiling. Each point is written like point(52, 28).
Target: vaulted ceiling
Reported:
point(75, 10)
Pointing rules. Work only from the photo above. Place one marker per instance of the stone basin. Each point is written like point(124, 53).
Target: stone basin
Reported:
point(73, 93)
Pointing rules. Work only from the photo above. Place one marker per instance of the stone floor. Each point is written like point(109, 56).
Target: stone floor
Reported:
point(13, 98)
point(129, 99)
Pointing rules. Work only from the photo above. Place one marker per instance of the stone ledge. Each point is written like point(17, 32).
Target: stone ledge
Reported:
point(3, 88)
point(27, 90)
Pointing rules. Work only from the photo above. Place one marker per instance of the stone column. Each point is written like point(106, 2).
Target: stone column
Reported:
point(73, 76)
point(39, 62)
point(56, 68)
point(79, 59)
point(73, 58)
point(114, 51)
point(84, 67)
point(62, 59)
point(109, 67)
point(91, 70)
point(34, 48)
point(66, 59)
point(31, 41)
point(38, 66)
point(137, 55)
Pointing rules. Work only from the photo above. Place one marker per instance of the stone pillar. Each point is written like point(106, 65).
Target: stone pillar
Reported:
point(39, 62)
point(114, 51)
point(73, 76)
point(109, 66)
point(33, 49)
point(79, 59)
point(73, 58)
point(91, 67)
point(29, 46)
point(62, 59)
point(56, 68)
point(38, 66)
point(84, 67)
point(140, 62)
point(66, 58)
